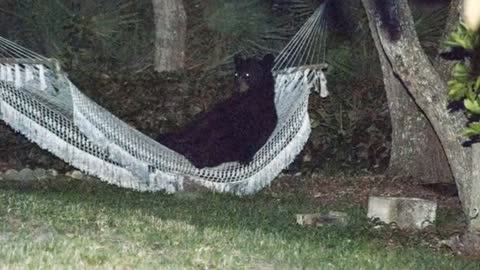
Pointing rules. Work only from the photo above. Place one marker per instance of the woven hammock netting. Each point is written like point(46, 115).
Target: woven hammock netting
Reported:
point(39, 101)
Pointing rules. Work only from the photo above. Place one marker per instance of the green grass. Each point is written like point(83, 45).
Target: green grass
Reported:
point(107, 227)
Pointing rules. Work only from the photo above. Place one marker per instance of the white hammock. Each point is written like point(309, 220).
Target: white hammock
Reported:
point(38, 100)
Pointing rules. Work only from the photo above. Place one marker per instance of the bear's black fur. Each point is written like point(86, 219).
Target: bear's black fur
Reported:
point(237, 128)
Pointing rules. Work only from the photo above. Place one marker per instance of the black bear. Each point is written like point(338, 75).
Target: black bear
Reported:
point(237, 128)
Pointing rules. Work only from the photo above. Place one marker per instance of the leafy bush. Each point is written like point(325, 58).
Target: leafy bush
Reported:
point(351, 128)
point(465, 85)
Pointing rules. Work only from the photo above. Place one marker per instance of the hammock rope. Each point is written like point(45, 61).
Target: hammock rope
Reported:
point(309, 37)
point(38, 100)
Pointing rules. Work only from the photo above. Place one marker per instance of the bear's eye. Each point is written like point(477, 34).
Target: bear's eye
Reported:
point(247, 74)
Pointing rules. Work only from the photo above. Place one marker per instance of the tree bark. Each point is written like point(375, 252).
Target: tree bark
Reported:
point(429, 90)
point(170, 34)
point(416, 151)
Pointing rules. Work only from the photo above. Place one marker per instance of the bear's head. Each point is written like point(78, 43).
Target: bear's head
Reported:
point(253, 73)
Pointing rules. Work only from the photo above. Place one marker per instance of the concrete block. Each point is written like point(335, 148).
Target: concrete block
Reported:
point(407, 213)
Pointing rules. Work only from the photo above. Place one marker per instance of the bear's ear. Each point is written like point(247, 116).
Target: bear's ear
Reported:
point(268, 60)
point(238, 60)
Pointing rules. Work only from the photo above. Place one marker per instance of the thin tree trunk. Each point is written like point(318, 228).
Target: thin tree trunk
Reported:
point(170, 34)
point(428, 88)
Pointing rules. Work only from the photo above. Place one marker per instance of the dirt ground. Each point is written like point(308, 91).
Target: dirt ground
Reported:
point(355, 190)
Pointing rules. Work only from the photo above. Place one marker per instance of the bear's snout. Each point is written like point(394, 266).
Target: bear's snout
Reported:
point(242, 86)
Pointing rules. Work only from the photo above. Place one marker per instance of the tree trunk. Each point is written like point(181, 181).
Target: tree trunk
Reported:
point(473, 215)
point(428, 88)
point(416, 151)
point(170, 34)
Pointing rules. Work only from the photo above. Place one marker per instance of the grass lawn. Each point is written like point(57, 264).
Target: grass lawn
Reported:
point(102, 226)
